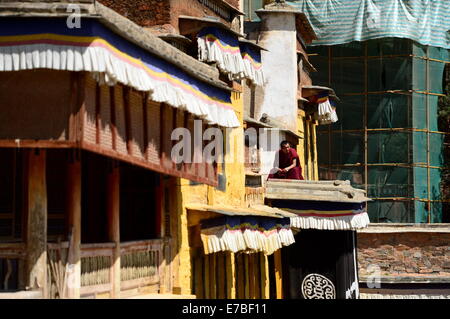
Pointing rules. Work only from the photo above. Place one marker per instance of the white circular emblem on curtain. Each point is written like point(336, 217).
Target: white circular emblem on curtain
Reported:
point(315, 286)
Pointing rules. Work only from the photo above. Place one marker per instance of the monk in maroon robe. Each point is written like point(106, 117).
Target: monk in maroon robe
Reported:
point(289, 163)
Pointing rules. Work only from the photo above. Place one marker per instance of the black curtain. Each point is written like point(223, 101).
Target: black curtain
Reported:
point(326, 259)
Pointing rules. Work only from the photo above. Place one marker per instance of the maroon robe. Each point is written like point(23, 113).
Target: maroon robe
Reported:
point(286, 160)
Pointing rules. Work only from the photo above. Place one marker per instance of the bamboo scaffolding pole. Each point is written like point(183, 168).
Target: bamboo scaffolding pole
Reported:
point(376, 57)
point(410, 199)
point(427, 78)
point(399, 129)
point(366, 137)
point(404, 92)
point(329, 126)
point(405, 165)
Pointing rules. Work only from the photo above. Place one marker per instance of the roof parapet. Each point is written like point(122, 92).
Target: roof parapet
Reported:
point(120, 25)
point(302, 23)
point(332, 191)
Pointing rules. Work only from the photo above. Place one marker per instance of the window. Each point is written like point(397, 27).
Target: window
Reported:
point(250, 6)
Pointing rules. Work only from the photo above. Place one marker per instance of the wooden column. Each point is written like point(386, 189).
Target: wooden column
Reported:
point(207, 280)
point(230, 274)
point(36, 259)
point(212, 276)
point(221, 277)
point(278, 273)
point(198, 270)
point(73, 201)
point(265, 288)
point(113, 209)
point(241, 276)
point(251, 276)
point(257, 276)
point(247, 277)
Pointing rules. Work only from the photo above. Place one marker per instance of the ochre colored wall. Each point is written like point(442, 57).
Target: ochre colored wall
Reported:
point(203, 194)
point(309, 165)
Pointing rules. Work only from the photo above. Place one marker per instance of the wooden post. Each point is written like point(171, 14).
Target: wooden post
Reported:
point(241, 276)
point(36, 259)
point(221, 282)
point(113, 209)
point(251, 276)
point(278, 273)
point(212, 276)
point(206, 281)
point(265, 288)
point(230, 274)
point(73, 201)
point(257, 275)
point(247, 279)
point(168, 282)
point(198, 269)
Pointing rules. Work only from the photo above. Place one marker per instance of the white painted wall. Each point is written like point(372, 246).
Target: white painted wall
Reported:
point(278, 36)
point(269, 145)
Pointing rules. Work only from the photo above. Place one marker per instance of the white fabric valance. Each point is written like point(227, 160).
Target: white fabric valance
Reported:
point(245, 234)
point(326, 114)
point(215, 45)
point(109, 65)
point(346, 222)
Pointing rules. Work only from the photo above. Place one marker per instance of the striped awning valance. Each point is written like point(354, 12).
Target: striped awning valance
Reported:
point(252, 63)
point(32, 43)
point(238, 59)
point(245, 234)
point(217, 45)
point(325, 215)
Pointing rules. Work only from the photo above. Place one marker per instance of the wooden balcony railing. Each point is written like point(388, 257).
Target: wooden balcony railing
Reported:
point(96, 268)
point(141, 264)
point(12, 260)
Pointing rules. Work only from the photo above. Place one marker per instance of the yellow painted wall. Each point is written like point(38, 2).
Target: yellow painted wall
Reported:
point(235, 189)
point(204, 194)
point(305, 129)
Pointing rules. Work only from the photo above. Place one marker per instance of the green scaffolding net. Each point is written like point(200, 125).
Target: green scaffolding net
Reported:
point(387, 139)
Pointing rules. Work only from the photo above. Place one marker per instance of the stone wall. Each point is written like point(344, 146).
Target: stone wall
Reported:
point(397, 254)
point(150, 13)
point(145, 13)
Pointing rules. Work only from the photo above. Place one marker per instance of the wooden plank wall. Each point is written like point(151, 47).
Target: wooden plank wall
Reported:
point(70, 110)
point(229, 276)
point(126, 125)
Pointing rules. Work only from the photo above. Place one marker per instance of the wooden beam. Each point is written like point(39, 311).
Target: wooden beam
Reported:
point(278, 274)
point(265, 286)
point(113, 211)
point(247, 279)
point(251, 276)
point(112, 100)
point(207, 279)
point(257, 275)
point(98, 123)
point(73, 201)
point(212, 276)
point(146, 124)
point(240, 276)
point(36, 260)
point(128, 127)
point(221, 281)
point(198, 274)
point(37, 144)
point(230, 273)
point(159, 207)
